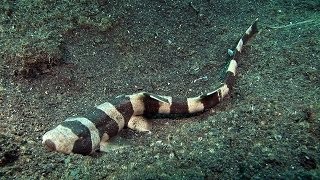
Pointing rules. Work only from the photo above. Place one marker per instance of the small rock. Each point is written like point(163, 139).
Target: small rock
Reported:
point(307, 162)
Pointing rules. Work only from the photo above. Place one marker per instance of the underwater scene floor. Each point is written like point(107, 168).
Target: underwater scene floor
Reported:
point(267, 128)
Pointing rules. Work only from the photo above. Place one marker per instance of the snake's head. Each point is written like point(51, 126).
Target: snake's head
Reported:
point(72, 136)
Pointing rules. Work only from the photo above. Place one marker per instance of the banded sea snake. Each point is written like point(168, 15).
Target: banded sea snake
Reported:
point(86, 134)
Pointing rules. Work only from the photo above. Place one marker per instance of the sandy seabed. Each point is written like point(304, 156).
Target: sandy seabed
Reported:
point(269, 126)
